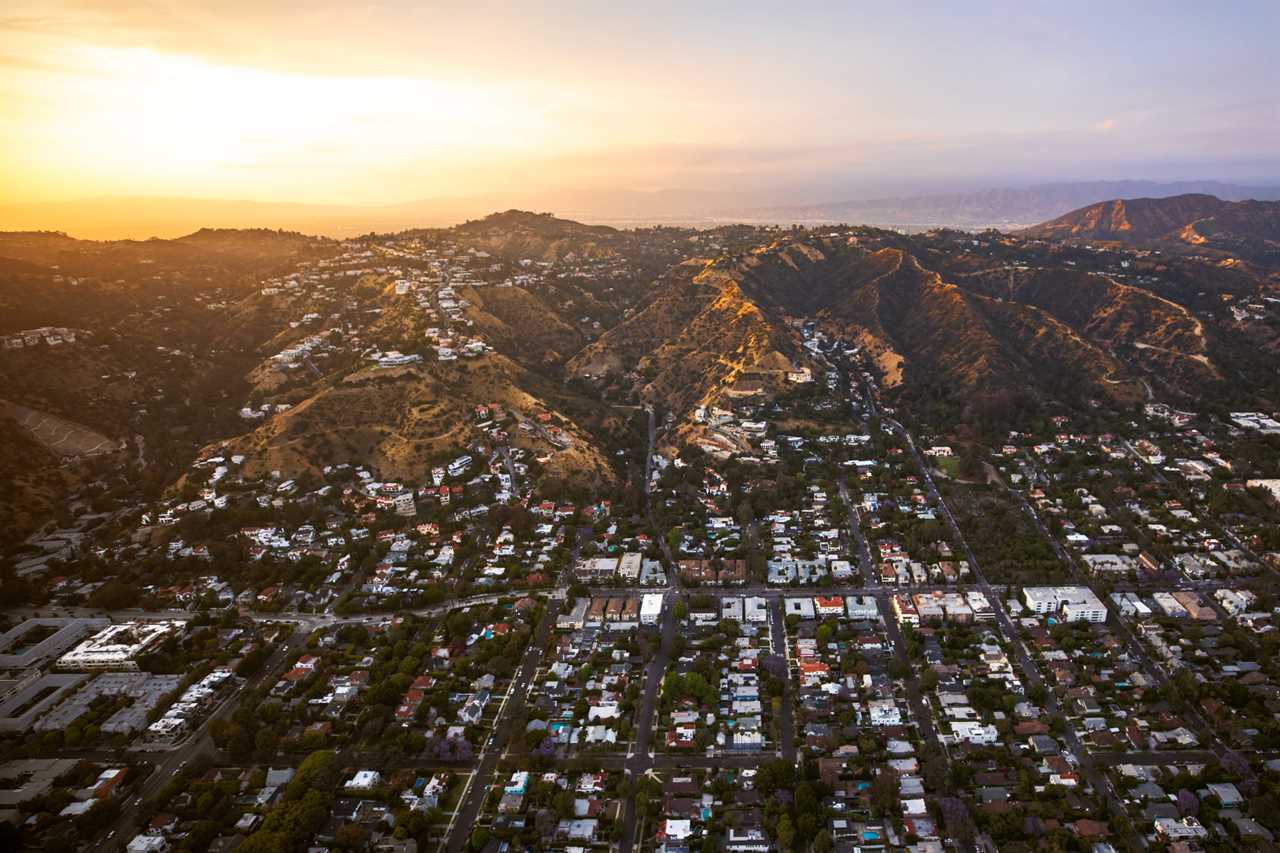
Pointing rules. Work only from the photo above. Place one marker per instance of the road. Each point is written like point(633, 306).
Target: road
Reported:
point(197, 743)
point(479, 783)
point(511, 469)
point(1012, 636)
point(1132, 645)
point(640, 759)
point(860, 548)
point(648, 457)
point(786, 714)
point(920, 710)
point(311, 621)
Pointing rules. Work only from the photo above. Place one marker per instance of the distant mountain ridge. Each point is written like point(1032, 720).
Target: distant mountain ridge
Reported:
point(1187, 223)
point(1005, 207)
point(1000, 207)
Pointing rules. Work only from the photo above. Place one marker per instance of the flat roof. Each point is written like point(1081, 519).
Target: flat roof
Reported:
point(67, 632)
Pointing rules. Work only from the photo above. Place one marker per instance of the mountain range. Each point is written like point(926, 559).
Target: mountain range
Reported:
point(1109, 306)
point(1205, 224)
point(113, 218)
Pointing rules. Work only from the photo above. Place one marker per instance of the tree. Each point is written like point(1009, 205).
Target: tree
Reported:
point(786, 833)
point(313, 772)
point(351, 836)
point(884, 792)
point(824, 634)
point(266, 842)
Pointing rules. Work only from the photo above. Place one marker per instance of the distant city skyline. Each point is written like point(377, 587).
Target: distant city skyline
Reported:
point(325, 103)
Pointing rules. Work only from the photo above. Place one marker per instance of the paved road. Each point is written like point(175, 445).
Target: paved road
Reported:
point(311, 621)
point(640, 760)
point(511, 470)
point(169, 764)
point(478, 785)
point(1012, 636)
point(648, 457)
point(786, 715)
point(860, 549)
point(920, 710)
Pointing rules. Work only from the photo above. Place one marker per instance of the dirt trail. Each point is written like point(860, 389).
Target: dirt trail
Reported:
point(63, 437)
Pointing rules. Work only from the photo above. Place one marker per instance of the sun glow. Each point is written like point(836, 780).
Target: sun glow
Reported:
point(175, 122)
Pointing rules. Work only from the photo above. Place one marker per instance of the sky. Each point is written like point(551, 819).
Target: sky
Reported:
point(387, 102)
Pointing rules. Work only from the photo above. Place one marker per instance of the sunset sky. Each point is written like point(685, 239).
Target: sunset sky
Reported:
point(385, 102)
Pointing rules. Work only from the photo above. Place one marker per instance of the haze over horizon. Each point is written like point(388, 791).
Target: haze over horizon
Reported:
point(477, 106)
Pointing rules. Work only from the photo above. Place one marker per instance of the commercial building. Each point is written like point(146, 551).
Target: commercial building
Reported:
point(32, 696)
point(629, 566)
point(26, 779)
point(575, 619)
point(597, 569)
point(862, 607)
point(37, 641)
point(118, 646)
point(1069, 603)
point(650, 608)
point(145, 691)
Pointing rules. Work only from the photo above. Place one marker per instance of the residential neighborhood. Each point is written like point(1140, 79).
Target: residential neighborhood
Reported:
point(801, 620)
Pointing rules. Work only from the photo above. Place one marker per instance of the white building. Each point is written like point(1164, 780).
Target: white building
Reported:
point(147, 844)
point(861, 607)
point(118, 646)
point(629, 566)
point(364, 780)
point(650, 608)
point(1169, 605)
point(1129, 604)
point(800, 607)
point(731, 608)
point(884, 712)
point(1070, 603)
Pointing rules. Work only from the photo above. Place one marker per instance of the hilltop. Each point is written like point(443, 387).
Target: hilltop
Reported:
point(1184, 223)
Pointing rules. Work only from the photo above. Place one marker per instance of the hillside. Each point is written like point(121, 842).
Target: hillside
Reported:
point(919, 327)
point(938, 321)
point(1155, 332)
point(1185, 223)
point(403, 421)
point(208, 251)
point(268, 344)
point(697, 339)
